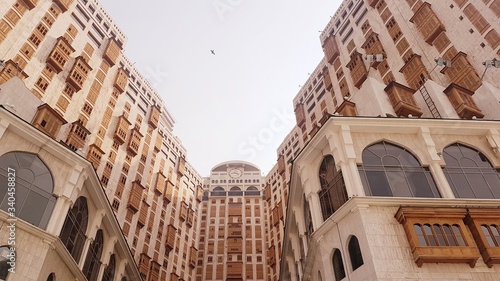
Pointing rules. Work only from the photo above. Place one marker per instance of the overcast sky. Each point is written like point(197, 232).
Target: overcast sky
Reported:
point(236, 104)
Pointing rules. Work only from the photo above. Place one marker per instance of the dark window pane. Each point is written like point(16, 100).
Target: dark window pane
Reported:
point(429, 235)
point(439, 235)
point(462, 187)
point(390, 161)
point(378, 183)
point(34, 208)
point(458, 235)
point(398, 184)
point(480, 186)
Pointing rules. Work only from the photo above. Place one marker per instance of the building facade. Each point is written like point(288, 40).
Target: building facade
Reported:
point(233, 230)
point(398, 174)
point(66, 58)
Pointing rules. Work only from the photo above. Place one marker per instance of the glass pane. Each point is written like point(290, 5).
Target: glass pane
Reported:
point(430, 236)
point(390, 161)
point(44, 182)
point(379, 185)
point(9, 160)
point(398, 184)
point(420, 235)
point(393, 150)
point(378, 149)
point(449, 235)
point(458, 235)
point(462, 187)
point(26, 176)
point(419, 185)
point(467, 163)
point(406, 159)
point(24, 159)
point(439, 235)
point(493, 181)
point(496, 234)
point(481, 188)
point(33, 209)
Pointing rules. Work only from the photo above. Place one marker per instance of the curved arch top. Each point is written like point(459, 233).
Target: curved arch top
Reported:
point(224, 166)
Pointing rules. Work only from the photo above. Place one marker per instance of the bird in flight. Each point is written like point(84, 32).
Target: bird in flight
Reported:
point(213, 52)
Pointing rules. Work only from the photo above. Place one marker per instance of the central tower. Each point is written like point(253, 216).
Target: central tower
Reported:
point(232, 233)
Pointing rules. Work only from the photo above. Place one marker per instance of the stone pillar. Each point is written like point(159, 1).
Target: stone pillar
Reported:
point(59, 214)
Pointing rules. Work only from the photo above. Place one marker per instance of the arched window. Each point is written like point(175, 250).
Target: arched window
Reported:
point(308, 218)
point(389, 170)
point(75, 227)
point(235, 191)
point(252, 191)
point(470, 174)
point(93, 260)
point(4, 262)
point(333, 193)
point(338, 265)
point(109, 272)
point(218, 191)
point(355, 253)
point(34, 187)
point(52, 277)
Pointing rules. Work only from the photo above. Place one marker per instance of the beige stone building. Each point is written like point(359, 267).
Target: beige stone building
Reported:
point(233, 224)
point(397, 172)
point(63, 72)
point(391, 172)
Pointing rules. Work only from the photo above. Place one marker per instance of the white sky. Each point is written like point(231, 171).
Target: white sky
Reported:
point(237, 104)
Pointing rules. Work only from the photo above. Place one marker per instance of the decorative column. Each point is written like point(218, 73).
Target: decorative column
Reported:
point(435, 164)
point(59, 214)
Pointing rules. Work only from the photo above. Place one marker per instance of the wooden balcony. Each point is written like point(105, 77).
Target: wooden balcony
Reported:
point(234, 230)
point(11, 69)
point(347, 108)
point(267, 192)
point(169, 191)
point(414, 72)
point(462, 73)
point(135, 196)
point(461, 99)
point(78, 73)
point(181, 166)
point(300, 116)
point(60, 54)
point(411, 216)
point(121, 80)
point(154, 273)
point(144, 261)
point(275, 217)
point(183, 211)
point(48, 120)
point(234, 245)
point(327, 80)
point(143, 214)
point(331, 49)
point(112, 52)
point(193, 257)
point(77, 135)
point(427, 23)
point(160, 183)
point(30, 3)
point(373, 46)
point(170, 238)
point(281, 164)
point(402, 100)
point(190, 218)
point(476, 220)
point(271, 256)
point(174, 277)
point(95, 155)
point(154, 116)
point(199, 193)
point(373, 3)
point(234, 209)
point(134, 142)
point(122, 128)
point(158, 143)
point(63, 4)
point(234, 269)
point(359, 73)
